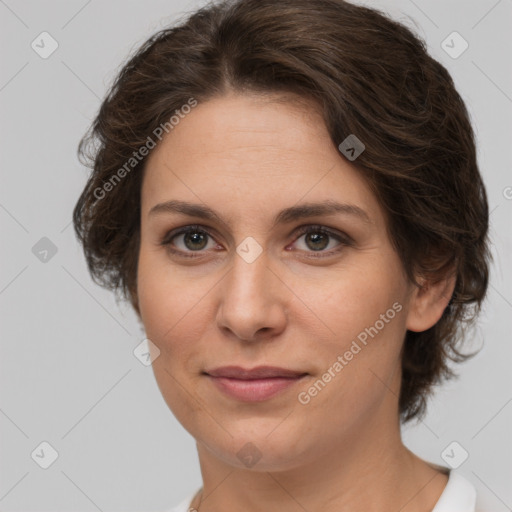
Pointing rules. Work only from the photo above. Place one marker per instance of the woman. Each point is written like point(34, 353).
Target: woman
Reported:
point(288, 194)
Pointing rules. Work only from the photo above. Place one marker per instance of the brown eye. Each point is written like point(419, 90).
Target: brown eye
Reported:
point(185, 240)
point(318, 239)
point(195, 240)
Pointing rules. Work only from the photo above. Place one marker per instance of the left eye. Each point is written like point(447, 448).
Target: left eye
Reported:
point(194, 239)
point(317, 239)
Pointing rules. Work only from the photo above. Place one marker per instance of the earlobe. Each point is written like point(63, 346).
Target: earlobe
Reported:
point(428, 302)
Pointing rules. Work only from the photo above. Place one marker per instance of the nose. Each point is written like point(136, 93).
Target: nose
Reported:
point(253, 301)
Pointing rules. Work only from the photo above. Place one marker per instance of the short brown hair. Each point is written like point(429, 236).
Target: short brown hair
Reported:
point(370, 76)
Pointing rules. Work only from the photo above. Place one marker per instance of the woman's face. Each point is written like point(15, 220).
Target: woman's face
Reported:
point(248, 288)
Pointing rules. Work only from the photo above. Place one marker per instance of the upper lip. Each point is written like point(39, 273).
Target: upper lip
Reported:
point(259, 372)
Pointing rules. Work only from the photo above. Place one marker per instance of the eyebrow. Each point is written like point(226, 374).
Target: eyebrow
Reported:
point(291, 214)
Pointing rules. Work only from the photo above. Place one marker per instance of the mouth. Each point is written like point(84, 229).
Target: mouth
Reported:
point(253, 385)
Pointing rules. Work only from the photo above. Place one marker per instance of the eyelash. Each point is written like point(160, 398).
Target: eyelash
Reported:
point(345, 240)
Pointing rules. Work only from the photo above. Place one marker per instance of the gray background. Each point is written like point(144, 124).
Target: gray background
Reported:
point(68, 375)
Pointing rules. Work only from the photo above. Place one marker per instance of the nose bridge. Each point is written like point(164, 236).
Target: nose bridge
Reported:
point(249, 301)
point(249, 279)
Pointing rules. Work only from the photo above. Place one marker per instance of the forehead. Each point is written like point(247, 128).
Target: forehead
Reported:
point(255, 152)
point(272, 126)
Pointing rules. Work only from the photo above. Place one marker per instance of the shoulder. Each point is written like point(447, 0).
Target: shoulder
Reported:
point(459, 495)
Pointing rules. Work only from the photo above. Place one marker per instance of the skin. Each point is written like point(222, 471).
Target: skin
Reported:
point(248, 157)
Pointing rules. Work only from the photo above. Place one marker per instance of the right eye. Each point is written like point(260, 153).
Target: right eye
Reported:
point(190, 239)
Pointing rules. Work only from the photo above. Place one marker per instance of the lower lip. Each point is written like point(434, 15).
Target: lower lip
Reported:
point(255, 390)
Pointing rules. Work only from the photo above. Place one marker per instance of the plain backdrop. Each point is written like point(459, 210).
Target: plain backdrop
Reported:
point(68, 375)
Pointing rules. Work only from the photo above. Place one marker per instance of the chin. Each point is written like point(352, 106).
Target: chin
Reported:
point(258, 454)
point(256, 444)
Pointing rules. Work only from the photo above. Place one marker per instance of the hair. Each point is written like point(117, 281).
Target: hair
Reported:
point(369, 76)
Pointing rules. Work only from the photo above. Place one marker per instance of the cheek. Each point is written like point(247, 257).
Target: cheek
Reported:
point(166, 298)
point(364, 309)
point(176, 313)
point(358, 373)
point(170, 305)
point(356, 297)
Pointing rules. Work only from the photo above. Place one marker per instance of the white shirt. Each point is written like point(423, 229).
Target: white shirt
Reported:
point(459, 495)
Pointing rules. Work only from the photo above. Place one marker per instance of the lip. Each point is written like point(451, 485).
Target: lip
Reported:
point(253, 385)
point(259, 372)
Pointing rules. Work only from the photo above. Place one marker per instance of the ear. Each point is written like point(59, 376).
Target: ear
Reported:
point(428, 302)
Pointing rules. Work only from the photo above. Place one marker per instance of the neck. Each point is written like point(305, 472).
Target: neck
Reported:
point(370, 470)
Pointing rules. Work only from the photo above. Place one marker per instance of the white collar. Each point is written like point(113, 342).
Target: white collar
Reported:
point(459, 495)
